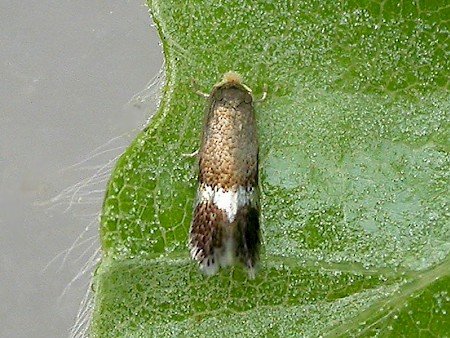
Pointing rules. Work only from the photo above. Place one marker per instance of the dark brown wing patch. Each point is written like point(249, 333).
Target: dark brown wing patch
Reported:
point(248, 236)
point(206, 235)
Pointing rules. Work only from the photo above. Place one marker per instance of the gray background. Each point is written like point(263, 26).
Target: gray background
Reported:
point(67, 70)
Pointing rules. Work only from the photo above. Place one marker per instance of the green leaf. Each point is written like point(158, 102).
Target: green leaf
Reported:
point(354, 168)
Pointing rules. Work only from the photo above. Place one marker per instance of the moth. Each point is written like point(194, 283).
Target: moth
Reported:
point(225, 228)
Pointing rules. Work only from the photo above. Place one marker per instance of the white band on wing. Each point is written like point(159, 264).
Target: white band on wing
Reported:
point(228, 200)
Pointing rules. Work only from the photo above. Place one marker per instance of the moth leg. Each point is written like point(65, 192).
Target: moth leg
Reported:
point(194, 154)
point(197, 91)
point(264, 95)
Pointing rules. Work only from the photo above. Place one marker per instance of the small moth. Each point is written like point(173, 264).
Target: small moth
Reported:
point(225, 226)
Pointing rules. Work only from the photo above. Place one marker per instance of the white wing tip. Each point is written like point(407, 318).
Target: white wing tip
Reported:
point(209, 266)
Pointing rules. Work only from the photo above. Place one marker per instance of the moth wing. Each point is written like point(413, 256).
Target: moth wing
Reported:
point(205, 236)
point(248, 237)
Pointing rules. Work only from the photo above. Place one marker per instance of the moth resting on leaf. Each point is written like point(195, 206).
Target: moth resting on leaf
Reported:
point(225, 226)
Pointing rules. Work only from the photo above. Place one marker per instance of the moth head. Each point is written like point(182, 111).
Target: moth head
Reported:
point(232, 78)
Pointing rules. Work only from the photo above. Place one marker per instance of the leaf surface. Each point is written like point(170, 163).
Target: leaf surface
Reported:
point(354, 172)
